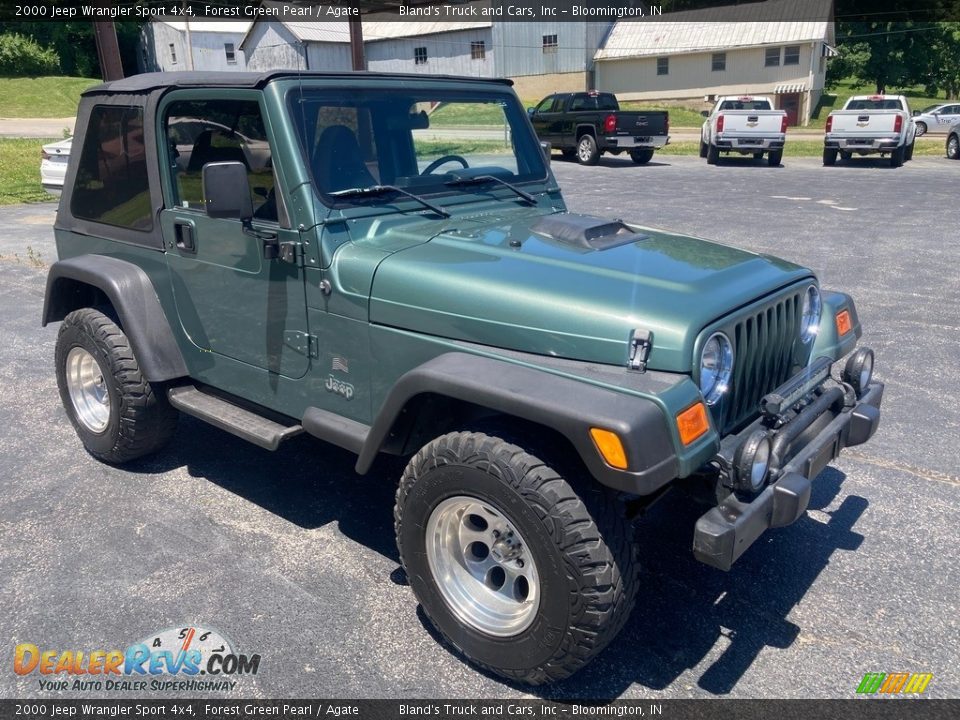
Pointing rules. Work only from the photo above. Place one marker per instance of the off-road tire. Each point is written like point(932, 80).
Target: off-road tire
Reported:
point(713, 154)
point(141, 419)
point(829, 157)
point(579, 538)
point(774, 158)
point(641, 156)
point(588, 153)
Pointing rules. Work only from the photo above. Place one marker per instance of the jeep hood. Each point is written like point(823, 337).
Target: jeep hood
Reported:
point(514, 285)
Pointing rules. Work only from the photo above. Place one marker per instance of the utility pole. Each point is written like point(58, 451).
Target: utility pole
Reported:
point(108, 51)
point(356, 44)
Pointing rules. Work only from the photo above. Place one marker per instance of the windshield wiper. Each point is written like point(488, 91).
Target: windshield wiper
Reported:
point(383, 190)
point(483, 179)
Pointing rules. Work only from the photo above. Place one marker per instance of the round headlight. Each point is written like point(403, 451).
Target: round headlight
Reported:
point(810, 317)
point(752, 462)
point(716, 367)
point(858, 371)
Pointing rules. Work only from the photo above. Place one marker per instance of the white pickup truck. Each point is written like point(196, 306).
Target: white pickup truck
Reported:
point(746, 125)
point(870, 124)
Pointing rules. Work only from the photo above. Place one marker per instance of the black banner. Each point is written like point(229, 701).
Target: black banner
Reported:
point(880, 11)
point(894, 709)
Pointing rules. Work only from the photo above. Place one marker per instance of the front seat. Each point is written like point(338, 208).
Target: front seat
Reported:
point(337, 161)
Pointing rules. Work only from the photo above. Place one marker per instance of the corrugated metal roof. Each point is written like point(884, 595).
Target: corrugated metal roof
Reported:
point(211, 26)
point(339, 31)
point(764, 23)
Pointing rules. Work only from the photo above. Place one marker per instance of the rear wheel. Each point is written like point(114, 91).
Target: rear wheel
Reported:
point(713, 155)
point(520, 572)
point(829, 156)
point(758, 156)
point(921, 129)
point(587, 151)
point(846, 156)
point(908, 155)
point(774, 157)
point(115, 411)
point(896, 157)
point(953, 146)
point(641, 156)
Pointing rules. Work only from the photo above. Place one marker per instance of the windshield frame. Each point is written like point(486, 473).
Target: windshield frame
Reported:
point(521, 132)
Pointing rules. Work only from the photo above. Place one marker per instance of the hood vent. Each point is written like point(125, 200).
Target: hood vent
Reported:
point(586, 231)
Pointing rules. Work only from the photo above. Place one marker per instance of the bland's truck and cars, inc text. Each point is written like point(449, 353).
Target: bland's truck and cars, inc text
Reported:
point(357, 288)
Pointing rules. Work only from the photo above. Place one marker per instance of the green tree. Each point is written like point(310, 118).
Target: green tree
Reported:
point(944, 66)
point(883, 54)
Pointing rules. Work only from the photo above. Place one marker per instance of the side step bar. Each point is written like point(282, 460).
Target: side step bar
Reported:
point(234, 419)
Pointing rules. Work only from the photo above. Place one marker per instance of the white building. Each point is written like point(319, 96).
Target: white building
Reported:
point(212, 45)
point(693, 57)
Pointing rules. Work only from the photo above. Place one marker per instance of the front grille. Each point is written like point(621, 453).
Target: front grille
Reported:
point(765, 342)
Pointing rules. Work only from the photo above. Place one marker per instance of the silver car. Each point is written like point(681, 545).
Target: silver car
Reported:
point(937, 119)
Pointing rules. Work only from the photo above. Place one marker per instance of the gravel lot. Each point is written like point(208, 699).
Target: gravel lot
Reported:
point(291, 555)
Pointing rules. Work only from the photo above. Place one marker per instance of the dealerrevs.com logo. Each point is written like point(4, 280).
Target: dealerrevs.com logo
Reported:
point(178, 659)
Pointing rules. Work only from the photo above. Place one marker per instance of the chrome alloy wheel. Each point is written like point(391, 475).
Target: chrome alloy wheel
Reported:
point(88, 390)
point(482, 566)
point(583, 149)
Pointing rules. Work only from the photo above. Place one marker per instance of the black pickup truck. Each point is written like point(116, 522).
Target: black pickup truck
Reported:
point(588, 124)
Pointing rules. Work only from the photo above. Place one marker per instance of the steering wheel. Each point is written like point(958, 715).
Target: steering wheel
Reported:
point(441, 160)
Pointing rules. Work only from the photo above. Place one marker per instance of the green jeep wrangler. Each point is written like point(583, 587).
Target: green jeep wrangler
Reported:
point(296, 253)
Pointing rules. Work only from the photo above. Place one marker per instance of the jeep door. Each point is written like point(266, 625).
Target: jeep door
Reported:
point(233, 300)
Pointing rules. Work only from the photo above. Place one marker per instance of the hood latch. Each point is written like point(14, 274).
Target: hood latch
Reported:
point(641, 342)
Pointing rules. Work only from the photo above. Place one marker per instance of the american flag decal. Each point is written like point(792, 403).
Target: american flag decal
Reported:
point(340, 365)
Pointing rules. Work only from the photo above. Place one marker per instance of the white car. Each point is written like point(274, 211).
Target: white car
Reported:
point(53, 165)
point(937, 119)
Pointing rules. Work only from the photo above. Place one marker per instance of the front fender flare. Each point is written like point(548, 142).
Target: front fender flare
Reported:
point(130, 291)
point(566, 405)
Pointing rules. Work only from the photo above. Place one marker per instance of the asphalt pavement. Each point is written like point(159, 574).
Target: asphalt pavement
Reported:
point(291, 555)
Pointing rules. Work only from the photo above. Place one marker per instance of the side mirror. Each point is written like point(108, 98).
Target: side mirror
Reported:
point(531, 111)
point(705, 113)
point(916, 112)
point(226, 191)
point(547, 150)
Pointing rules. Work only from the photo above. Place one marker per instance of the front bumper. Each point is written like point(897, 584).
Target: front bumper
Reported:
point(831, 420)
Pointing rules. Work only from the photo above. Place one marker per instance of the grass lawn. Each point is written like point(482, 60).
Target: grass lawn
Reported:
point(438, 148)
point(20, 171)
point(679, 116)
point(42, 97)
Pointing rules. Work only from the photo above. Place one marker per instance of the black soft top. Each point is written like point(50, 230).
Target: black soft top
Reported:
point(155, 81)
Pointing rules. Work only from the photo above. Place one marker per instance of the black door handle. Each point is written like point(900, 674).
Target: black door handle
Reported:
point(183, 232)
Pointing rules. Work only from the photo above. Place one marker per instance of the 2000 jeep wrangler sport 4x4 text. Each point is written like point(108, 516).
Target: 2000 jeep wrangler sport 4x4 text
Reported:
point(288, 253)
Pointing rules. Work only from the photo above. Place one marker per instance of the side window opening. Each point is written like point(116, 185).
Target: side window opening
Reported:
point(112, 185)
point(198, 132)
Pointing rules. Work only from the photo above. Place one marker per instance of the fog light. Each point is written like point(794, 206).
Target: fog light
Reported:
point(859, 370)
point(752, 462)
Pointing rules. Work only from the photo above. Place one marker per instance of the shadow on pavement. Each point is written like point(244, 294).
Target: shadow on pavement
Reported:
point(685, 611)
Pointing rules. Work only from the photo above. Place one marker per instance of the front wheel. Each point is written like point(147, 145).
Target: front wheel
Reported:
point(523, 574)
point(587, 151)
point(921, 129)
point(641, 156)
point(116, 412)
point(953, 147)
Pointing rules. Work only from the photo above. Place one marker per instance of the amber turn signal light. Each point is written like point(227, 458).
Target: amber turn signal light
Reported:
point(692, 423)
point(610, 448)
point(844, 324)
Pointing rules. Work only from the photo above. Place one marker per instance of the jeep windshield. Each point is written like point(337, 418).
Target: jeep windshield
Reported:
point(423, 141)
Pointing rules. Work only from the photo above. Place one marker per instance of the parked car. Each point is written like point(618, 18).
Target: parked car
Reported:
point(953, 143)
point(937, 119)
point(547, 375)
point(746, 125)
point(53, 165)
point(870, 125)
point(585, 125)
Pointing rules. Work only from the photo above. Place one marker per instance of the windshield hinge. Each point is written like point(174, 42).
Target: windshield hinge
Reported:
point(292, 251)
point(303, 343)
point(641, 341)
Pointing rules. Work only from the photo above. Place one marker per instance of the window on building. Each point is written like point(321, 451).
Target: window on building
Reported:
point(719, 62)
point(791, 55)
point(111, 185)
point(173, 54)
point(663, 66)
point(550, 43)
point(772, 58)
point(420, 56)
point(230, 52)
point(478, 50)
